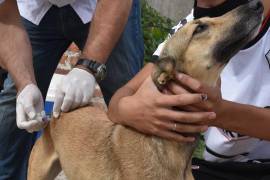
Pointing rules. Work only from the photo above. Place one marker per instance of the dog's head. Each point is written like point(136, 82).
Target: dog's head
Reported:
point(203, 47)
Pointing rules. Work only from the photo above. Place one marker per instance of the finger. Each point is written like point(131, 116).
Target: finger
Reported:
point(67, 103)
point(189, 108)
point(204, 106)
point(45, 118)
point(36, 126)
point(77, 101)
point(28, 125)
point(20, 116)
point(36, 112)
point(176, 88)
point(191, 83)
point(40, 123)
point(57, 104)
point(175, 136)
point(87, 96)
point(185, 117)
point(31, 124)
point(167, 91)
point(179, 100)
point(186, 128)
point(181, 128)
point(86, 100)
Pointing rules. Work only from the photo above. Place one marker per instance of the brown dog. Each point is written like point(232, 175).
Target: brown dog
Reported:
point(88, 146)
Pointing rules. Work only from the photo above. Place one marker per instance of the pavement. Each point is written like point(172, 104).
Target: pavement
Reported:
point(174, 9)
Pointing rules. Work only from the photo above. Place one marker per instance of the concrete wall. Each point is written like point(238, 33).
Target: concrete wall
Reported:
point(174, 9)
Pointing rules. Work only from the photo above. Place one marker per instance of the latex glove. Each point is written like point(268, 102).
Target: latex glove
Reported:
point(30, 109)
point(75, 90)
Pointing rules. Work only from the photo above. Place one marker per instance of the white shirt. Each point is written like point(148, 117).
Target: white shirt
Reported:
point(35, 10)
point(246, 80)
point(1, 1)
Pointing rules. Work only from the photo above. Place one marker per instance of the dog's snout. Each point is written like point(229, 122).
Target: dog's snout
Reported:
point(256, 5)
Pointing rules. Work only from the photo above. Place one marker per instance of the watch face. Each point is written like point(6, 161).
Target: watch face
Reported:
point(101, 72)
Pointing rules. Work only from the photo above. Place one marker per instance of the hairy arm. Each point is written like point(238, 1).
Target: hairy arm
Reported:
point(106, 27)
point(16, 58)
point(128, 90)
point(15, 49)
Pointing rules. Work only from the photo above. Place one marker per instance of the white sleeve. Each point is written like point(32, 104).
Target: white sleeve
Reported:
point(189, 18)
point(1, 1)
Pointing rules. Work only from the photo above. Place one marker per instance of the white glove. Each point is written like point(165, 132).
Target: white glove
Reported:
point(30, 109)
point(75, 90)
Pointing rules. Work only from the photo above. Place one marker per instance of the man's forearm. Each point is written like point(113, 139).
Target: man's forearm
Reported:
point(106, 27)
point(114, 103)
point(128, 90)
point(15, 49)
point(244, 119)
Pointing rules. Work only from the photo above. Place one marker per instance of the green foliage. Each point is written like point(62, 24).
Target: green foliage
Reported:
point(155, 29)
point(200, 148)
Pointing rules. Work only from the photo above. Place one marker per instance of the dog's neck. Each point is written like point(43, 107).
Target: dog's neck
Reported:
point(174, 156)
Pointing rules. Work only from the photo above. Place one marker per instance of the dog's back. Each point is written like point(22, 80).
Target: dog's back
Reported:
point(92, 147)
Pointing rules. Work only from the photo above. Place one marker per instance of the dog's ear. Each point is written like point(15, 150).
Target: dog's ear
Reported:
point(163, 71)
point(177, 44)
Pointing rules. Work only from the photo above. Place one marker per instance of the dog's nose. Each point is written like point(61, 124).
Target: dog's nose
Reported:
point(256, 5)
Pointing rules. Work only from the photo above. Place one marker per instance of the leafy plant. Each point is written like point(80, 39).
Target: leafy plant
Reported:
point(155, 29)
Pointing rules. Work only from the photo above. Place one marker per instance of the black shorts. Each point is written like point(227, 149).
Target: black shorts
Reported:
point(230, 170)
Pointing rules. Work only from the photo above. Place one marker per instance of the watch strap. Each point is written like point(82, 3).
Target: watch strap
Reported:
point(91, 65)
point(98, 69)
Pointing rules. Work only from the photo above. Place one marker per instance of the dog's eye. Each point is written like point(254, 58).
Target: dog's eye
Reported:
point(200, 28)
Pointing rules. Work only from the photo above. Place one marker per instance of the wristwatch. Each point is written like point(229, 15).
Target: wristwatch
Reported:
point(98, 69)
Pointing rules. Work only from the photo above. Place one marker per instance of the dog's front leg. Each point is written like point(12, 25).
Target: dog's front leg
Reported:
point(188, 173)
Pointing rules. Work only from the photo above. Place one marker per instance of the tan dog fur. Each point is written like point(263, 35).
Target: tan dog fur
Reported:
point(88, 146)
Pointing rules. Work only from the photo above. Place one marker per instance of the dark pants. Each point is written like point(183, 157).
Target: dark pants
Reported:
point(49, 40)
point(231, 170)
